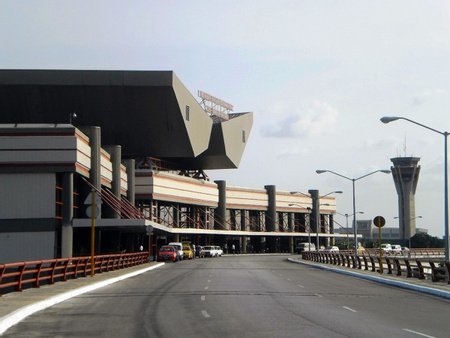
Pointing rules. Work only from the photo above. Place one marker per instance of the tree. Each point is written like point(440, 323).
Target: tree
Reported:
point(426, 241)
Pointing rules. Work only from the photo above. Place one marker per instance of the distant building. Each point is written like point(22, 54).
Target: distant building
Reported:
point(369, 231)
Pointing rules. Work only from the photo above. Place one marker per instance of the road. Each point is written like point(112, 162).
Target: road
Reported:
point(242, 296)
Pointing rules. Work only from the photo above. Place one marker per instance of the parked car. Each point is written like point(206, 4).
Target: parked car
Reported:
point(168, 252)
point(199, 251)
point(209, 251)
point(332, 249)
point(386, 248)
point(187, 252)
point(305, 247)
point(396, 249)
point(219, 251)
point(179, 247)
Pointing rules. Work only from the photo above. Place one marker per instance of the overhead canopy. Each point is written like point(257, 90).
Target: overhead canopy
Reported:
point(148, 113)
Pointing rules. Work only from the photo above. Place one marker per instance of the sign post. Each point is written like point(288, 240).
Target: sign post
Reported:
point(379, 222)
point(93, 210)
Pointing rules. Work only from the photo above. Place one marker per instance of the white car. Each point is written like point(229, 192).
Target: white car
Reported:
point(386, 248)
point(396, 249)
point(332, 249)
point(219, 251)
point(210, 251)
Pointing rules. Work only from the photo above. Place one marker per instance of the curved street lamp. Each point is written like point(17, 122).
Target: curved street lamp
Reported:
point(309, 225)
point(346, 222)
point(315, 207)
point(387, 119)
point(355, 233)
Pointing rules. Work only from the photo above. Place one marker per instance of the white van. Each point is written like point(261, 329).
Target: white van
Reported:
point(305, 247)
point(179, 248)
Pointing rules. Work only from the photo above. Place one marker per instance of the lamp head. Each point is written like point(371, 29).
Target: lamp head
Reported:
point(385, 171)
point(339, 192)
point(387, 119)
point(321, 171)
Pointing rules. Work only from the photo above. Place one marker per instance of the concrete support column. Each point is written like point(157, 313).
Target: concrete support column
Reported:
point(130, 164)
point(67, 227)
point(244, 244)
point(290, 221)
point(244, 217)
point(95, 142)
point(115, 151)
point(271, 217)
point(291, 244)
point(220, 212)
point(176, 216)
point(315, 216)
point(271, 214)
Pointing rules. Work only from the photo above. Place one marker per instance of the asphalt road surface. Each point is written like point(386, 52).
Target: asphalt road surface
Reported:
point(242, 296)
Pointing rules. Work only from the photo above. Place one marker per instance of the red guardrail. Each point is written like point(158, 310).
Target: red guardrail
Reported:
point(16, 276)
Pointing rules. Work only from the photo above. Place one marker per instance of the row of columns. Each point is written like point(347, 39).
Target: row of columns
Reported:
point(115, 151)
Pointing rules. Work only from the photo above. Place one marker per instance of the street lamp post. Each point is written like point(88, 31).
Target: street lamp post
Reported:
point(314, 194)
point(346, 221)
point(309, 223)
point(387, 119)
point(408, 224)
point(355, 227)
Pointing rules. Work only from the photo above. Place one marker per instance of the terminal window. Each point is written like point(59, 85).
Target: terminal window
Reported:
point(187, 113)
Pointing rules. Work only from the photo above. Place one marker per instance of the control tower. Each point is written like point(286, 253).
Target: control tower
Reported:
point(406, 175)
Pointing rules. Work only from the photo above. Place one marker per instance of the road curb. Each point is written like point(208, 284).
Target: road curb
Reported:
point(15, 317)
point(423, 289)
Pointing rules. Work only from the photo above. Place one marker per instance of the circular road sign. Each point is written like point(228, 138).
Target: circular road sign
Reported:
point(379, 221)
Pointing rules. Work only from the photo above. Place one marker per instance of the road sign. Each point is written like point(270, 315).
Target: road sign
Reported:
point(97, 199)
point(89, 211)
point(379, 221)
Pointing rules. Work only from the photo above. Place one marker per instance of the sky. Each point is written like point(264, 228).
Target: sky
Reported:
point(317, 75)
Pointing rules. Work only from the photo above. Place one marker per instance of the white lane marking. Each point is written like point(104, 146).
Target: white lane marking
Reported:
point(349, 309)
point(205, 314)
point(203, 298)
point(301, 286)
point(418, 333)
point(316, 294)
point(206, 287)
point(15, 317)
point(289, 279)
point(209, 280)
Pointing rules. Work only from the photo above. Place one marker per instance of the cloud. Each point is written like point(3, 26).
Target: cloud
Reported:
point(425, 96)
point(315, 121)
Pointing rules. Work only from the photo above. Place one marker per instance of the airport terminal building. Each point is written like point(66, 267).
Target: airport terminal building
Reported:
point(132, 149)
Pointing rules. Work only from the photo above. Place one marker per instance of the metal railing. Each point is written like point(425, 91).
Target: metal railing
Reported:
point(17, 276)
point(422, 267)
